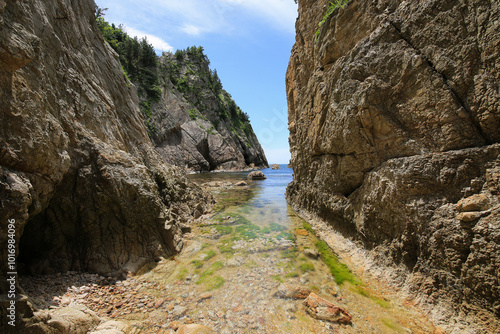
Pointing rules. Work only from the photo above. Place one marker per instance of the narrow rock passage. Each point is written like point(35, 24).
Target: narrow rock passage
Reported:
point(245, 269)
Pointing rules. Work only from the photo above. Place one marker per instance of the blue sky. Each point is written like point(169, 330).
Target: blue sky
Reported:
point(247, 41)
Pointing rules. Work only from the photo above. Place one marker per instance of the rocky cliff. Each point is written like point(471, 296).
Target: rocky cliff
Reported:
point(197, 124)
point(394, 117)
point(79, 175)
point(193, 122)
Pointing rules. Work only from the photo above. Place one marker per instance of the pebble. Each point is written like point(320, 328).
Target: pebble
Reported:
point(179, 311)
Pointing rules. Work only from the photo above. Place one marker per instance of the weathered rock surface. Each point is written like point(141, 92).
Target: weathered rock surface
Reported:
point(198, 125)
point(76, 319)
point(79, 174)
point(322, 309)
point(394, 113)
point(112, 327)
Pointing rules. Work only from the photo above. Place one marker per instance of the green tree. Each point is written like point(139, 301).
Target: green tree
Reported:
point(139, 62)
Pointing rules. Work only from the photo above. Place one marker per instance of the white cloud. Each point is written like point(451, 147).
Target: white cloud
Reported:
point(198, 17)
point(192, 16)
point(191, 29)
point(157, 42)
point(279, 13)
point(222, 16)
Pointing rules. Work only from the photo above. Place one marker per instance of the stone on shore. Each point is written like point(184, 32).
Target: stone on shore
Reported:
point(322, 309)
point(291, 291)
point(72, 319)
point(311, 253)
point(111, 327)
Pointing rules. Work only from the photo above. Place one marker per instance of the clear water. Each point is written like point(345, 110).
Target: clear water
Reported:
point(267, 248)
point(265, 201)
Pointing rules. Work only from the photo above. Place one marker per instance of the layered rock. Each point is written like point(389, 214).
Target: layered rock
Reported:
point(394, 112)
point(79, 174)
point(197, 125)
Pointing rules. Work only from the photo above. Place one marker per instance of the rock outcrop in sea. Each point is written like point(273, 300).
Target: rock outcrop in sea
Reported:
point(394, 117)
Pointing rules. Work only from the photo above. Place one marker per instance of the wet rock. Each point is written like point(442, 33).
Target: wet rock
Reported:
point(241, 184)
point(322, 309)
point(275, 166)
point(195, 329)
point(290, 291)
point(256, 175)
point(311, 253)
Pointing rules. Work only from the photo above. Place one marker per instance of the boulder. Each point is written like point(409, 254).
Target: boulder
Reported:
point(112, 327)
point(256, 175)
point(77, 319)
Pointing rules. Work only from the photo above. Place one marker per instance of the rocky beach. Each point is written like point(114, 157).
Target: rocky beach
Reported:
point(248, 267)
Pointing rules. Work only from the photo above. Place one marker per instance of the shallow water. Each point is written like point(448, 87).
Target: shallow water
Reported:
point(252, 244)
point(233, 269)
point(263, 201)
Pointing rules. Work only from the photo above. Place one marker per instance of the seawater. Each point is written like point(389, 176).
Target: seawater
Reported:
point(264, 202)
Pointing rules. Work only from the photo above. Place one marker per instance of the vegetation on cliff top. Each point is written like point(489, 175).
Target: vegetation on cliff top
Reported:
point(139, 63)
point(188, 70)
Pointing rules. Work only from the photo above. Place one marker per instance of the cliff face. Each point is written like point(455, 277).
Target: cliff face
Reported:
point(197, 125)
point(394, 116)
point(79, 174)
